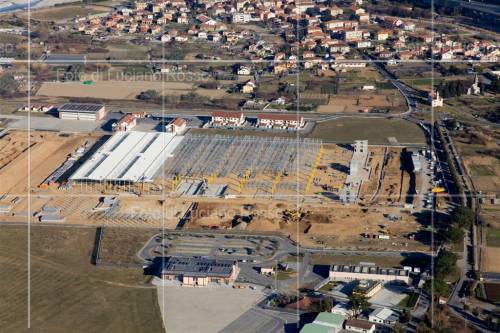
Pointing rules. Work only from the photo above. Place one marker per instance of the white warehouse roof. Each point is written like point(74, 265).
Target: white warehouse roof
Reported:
point(129, 156)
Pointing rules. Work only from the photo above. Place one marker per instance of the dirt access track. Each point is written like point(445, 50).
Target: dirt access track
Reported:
point(42, 151)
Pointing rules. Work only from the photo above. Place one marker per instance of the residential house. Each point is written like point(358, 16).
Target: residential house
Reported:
point(383, 316)
point(361, 326)
point(227, 118)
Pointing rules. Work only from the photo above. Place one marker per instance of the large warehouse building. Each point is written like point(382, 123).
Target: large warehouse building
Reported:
point(82, 111)
point(353, 272)
point(128, 157)
point(201, 272)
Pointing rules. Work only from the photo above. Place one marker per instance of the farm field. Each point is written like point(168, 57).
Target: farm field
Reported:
point(127, 90)
point(478, 150)
point(390, 261)
point(375, 130)
point(65, 12)
point(491, 252)
point(364, 102)
point(68, 293)
point(120, 245)
point(492, 292)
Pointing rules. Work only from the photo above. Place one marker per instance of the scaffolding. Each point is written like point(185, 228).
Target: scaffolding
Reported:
point(217, 156)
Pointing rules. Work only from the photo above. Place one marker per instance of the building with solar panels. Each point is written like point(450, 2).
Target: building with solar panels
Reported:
point(198, 272)
point(82, 111)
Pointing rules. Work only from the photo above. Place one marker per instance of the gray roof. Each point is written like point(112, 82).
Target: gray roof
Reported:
point(368, 270)
point(197, 266)
point(81, 107)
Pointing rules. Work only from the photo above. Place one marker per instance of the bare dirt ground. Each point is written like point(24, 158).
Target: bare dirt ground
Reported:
point(394, 187)
point(334, 226)
point(42, 151)
point(127, 90)
point(479, 152)
point(365, 102)
point(490, 260)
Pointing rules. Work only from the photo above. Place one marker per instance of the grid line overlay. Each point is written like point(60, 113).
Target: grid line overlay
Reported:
point(299, 198)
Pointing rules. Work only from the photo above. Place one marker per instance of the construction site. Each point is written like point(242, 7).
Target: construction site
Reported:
point(207, 166)
point(193, 181)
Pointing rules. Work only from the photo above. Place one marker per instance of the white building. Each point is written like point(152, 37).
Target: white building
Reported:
point(283, 121)
point(355, 272)
point(126, 123)
point(223, 118)
point(128, 157)
point(383, 316)
point(437, 101)
point(325, 322)
point(244, 70)
point(80, 111)
point(177, 126)
point(343, 310)
point(241, 18)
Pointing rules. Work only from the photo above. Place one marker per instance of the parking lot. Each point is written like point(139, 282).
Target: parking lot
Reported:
point(236, 247)
point(390, 295)
point(193, 309)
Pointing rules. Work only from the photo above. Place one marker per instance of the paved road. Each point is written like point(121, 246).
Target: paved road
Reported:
point(259, 320)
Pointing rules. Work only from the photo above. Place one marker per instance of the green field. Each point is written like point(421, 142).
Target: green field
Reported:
point(389, 261)
point(409, 301)
point(375, 130)
point(66, 12)
point(68, 293)
point(493, 237)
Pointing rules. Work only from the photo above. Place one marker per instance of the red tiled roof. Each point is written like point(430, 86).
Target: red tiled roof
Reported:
point(128, 118)
point(226, 114)
point(178, 122)
point(288, 117)
point(359, 323)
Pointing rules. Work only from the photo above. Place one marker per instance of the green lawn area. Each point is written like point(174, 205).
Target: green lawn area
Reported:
point(481, 170)
point(328, 286)
point(493, 237)
point(284, 275)
point(409, 301)
point(392, 261)
point(68, 293)
point(375, 130)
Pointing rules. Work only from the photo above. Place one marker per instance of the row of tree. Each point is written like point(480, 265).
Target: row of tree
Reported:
point(461, 219)
point(455, 88)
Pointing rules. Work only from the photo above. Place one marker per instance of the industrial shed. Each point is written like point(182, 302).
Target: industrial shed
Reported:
point(82, 111)
point(128, 157)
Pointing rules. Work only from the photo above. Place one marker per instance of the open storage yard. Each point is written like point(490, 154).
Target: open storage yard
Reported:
point(68, 294)
point(44, 151)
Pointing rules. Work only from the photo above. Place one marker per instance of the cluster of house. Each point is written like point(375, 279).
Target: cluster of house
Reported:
point(128, 121)
point(329, 31)
point(37, 108)
point(326, 322)
point(271, 121)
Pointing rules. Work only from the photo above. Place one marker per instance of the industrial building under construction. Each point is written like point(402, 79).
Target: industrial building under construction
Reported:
point(154, 160)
